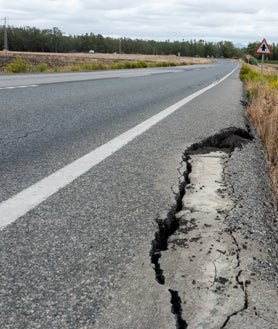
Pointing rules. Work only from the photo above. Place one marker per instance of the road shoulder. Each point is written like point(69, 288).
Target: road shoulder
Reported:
point(253, 222)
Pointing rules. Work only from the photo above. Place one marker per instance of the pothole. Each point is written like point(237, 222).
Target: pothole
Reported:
point(226, 140)
point(192, 253)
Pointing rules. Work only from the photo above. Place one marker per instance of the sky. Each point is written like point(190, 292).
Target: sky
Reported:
point(238, 21)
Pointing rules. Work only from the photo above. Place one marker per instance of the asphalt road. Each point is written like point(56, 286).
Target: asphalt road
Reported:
point(83, 253)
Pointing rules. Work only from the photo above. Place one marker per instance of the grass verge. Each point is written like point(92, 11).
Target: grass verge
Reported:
point(262, 112)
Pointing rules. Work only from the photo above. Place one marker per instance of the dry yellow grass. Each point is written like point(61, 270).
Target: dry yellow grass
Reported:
point(271, 68)
point(262, 112)
point(153, 58)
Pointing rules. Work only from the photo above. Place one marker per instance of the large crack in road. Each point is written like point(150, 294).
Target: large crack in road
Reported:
point(194, 253)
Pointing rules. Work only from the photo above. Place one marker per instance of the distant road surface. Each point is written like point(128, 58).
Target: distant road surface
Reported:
point(75, 250)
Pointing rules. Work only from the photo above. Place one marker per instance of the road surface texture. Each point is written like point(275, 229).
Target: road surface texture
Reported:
point(173, 229)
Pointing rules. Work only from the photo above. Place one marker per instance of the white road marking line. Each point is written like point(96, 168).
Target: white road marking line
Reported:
point(29, 198)
point(16, 87)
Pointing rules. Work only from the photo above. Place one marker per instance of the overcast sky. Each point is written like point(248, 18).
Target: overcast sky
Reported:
point(239, 21)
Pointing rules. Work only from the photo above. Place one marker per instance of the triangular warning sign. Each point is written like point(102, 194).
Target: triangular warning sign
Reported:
point(263, 48)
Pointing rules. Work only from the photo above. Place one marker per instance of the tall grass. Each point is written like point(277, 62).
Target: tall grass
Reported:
point(262, 112)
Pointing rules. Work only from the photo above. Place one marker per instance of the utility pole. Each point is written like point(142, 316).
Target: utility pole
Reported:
point(5, 34)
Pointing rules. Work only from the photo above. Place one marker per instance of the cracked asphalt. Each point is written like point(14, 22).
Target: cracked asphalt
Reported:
point(222, 260)
point(81, 259)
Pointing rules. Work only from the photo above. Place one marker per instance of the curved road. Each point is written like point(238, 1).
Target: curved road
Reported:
point(82, 256)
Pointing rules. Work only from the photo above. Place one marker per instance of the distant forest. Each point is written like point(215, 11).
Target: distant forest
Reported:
point(54, 40)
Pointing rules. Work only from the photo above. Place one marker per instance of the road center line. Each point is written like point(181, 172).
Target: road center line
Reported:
point(17, 87)
point(29, 198)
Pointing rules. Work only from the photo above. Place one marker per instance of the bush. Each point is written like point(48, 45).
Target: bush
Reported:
point(42, 67)
point(130, 65)
point(141, 64)
point(247, 74)
point(166, 64)
point(18, 65)
point(118, 66)
point(252, 60)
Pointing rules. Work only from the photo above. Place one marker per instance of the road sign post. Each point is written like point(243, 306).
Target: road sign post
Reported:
point(262, 64)
point(263, 49)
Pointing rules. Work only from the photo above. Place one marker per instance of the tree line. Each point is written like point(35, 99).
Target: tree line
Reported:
point(252, 47)
point(54, 40)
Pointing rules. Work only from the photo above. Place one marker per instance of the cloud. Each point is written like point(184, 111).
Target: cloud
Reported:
point(238, 21)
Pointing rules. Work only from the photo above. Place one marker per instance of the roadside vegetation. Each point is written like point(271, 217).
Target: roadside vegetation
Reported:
point(262, 112)
point(20, 65)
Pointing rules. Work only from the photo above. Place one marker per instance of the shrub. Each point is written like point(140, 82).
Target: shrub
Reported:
point(118, 66)
point(246, 74)
point(18, 65)
point(252, 60)
point(42, 67)
point(141, 64)
point(130, 65)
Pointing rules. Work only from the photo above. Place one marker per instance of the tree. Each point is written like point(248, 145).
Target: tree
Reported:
point(57, 36)
point(53, 40)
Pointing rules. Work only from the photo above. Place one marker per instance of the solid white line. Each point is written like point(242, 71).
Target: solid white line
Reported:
point(24, 201)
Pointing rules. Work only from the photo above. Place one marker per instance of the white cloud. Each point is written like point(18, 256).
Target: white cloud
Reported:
point(237, 21)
